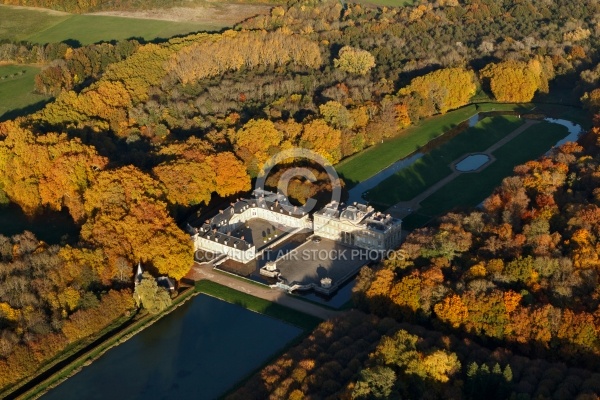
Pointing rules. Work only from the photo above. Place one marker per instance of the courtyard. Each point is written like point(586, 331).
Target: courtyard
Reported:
point(259, 232)
point(312, 261)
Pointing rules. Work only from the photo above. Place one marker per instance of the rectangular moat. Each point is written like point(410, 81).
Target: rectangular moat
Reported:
point(199, 351)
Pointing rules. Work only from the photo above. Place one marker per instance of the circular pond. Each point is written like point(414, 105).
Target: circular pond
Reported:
point(472, 162)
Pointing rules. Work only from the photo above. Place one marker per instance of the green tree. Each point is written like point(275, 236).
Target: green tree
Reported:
point(376, 382)
point(336, 114)
point(149, 295)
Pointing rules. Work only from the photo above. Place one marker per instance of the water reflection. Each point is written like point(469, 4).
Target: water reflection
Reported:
point(574, 130)
point(472, 162)
point(197, 352)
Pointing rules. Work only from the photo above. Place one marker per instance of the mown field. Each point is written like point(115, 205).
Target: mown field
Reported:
point(435, 165)
point(88, 29)
point(39, 26)
point(367, 163)
point(470, 189)
point(16, 89)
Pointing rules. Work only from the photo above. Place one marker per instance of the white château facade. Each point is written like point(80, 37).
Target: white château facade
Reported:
point(215, 234)
point(358, 225)
point(354, 225)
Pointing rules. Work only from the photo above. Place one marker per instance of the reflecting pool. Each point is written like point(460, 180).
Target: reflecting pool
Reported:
point(472, 162)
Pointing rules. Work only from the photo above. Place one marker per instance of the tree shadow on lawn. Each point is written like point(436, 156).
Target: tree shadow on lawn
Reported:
point(19, 112)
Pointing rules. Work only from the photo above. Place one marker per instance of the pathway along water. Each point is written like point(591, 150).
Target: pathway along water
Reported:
point(199, 351)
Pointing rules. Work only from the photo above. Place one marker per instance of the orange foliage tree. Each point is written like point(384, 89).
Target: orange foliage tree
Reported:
point(47, 170)
point(230, 174)
point(323, 139)
point(127, 218)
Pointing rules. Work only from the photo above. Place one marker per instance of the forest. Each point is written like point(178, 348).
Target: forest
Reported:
point(495, 303)
point(141, 136)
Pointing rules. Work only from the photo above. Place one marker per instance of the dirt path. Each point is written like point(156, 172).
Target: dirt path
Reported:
point(221, 14)
point(403, 208)
point(205, 271)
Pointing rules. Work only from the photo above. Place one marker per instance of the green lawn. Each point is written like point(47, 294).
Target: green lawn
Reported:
point(470, 189)
point(39, 26)
point(88, 29)
point(435, 165)
point(367, 163)
point(274, 310)
point(18, 24)
point(16, 90)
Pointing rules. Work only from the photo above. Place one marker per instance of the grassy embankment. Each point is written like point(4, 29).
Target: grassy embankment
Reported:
point(266, 307)
point(367, 163)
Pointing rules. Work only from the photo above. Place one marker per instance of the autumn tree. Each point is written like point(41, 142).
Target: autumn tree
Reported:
point(517, 81)
point(211, 55)
point(46, 170)
point(128, 218)
point(149, 295)
point(187, 182)
point(446, 89)
point(230, 174)
point(255, 142)
point(354, 60)
point(323, 139)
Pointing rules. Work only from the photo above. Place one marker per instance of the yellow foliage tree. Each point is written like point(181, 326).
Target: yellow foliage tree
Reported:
point(232, 50)
point(323, 139)
point(46, 170)
point(447, 88)
point(441, 365)
point(254, 142)
point(517, 81)
point(8, 313)
point(354, 60)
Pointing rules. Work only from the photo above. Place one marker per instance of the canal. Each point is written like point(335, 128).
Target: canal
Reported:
point(199, 351)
